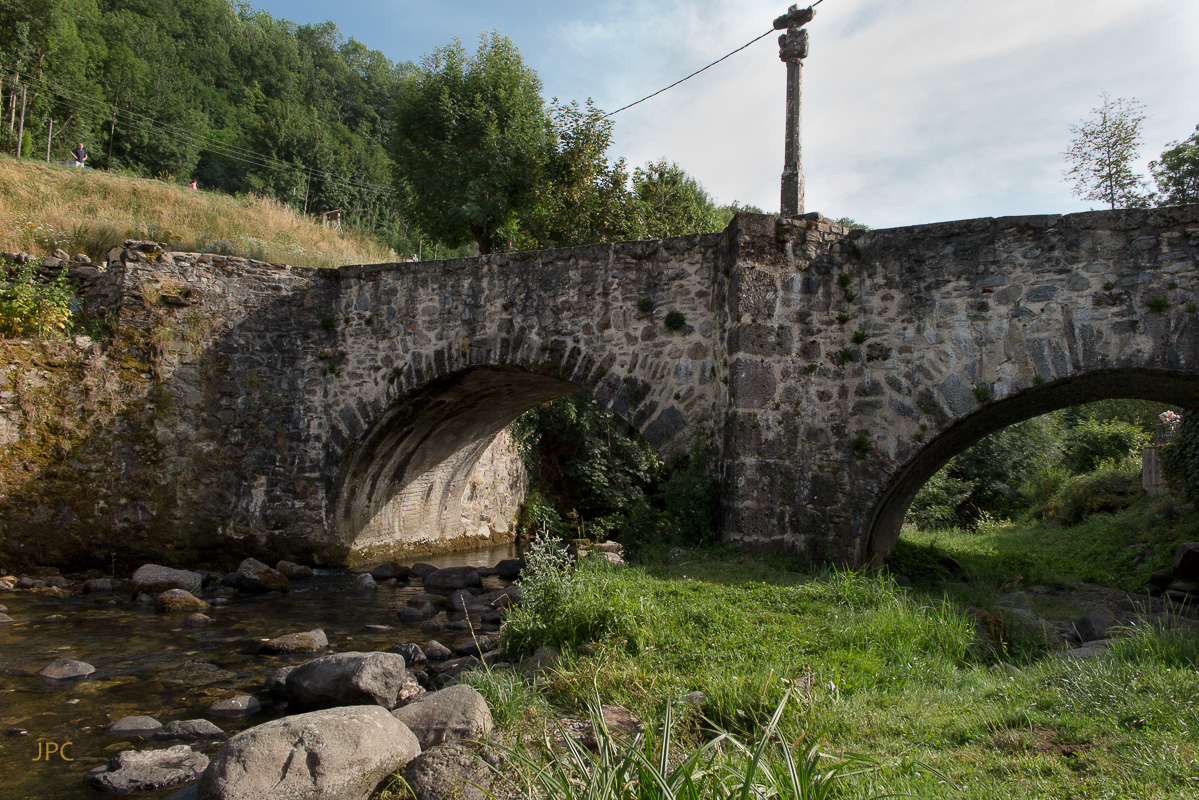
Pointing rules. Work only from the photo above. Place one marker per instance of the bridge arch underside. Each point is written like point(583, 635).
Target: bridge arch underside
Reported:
point(402, 488)
point(1176, 388)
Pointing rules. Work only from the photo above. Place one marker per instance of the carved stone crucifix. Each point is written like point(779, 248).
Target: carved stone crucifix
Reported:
point(793, 48)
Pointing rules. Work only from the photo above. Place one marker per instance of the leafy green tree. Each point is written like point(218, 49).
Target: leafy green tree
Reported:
point(1177, 172)
point(669, 202)
point(471, 142)
point(1102, 152)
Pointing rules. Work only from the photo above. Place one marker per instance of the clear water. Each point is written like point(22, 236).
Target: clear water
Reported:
point(140, 657)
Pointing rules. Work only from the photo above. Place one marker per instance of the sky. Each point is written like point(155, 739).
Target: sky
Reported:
point(914, 111)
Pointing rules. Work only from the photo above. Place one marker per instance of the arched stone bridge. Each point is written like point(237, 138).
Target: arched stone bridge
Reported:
point(829, 371)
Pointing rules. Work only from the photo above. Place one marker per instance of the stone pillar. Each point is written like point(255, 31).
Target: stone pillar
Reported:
point(793, 48)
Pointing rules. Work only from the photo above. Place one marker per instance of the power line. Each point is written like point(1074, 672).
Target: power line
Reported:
point(698, 71)
point(692, 75)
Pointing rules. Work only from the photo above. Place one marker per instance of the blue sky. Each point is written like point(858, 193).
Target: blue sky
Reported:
point(913, 110)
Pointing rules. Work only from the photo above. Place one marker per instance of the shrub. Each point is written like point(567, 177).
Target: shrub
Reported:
point(1180, 458)
point(674, 320)
point(1093, 441)
point(1111, 486)
point(936, 506)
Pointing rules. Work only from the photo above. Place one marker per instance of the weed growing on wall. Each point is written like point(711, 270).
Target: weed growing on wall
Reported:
point(31, 308)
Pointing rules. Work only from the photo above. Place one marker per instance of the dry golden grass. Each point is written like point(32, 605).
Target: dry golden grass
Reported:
point(44, 206)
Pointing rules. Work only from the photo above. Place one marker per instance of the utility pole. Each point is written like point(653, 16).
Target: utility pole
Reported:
point(21, 128)
point(793, 48)
point(49, 136)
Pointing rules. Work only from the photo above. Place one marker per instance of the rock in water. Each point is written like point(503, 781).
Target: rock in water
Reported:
point(66, 669)
point(153, 579)
point(136, 771)
point(352, 679)
point(337, 753)
point(454, 713)
point(306, 642)
point(294, 570)
point(509, 569)
point(451, 578)
point(254, 577)
point(178, 600)
point(241, 706)
point(436, 651)
point(365, 583)
point(134, 726)
point(98, 586)
point(448, 771)
point(189, 730)
point(197, 620)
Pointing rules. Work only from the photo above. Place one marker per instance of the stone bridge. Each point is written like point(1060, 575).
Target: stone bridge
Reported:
point(829, 372)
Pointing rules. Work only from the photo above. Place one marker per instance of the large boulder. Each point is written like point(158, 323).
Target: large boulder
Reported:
point(448, 771)
point(351, 679)
point(452, 578)
point(254, 577)
point(306, 642)
point(142, 770)
point(153, 580)
point(334, 754)
point(454, 713)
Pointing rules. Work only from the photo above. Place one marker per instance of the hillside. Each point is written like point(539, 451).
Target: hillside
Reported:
point(45, 206)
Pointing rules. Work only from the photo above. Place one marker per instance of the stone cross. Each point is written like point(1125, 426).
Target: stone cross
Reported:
point(793, 48)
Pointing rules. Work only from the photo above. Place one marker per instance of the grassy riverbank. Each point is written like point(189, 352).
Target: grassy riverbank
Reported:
point(903, 676)
point(44, 206)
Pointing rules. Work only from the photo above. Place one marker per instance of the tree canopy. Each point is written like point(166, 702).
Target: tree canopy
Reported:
point(1102, 153)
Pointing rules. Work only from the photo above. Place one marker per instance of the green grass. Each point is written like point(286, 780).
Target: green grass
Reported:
point(1116, 550)
point(899, 676)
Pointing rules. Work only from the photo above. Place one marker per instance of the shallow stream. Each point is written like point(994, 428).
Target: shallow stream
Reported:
point(147, 664)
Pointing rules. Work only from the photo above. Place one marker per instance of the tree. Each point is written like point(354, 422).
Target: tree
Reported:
point(1177, 173)
point(471, 142)
point(1102, 153)
point(672, 203)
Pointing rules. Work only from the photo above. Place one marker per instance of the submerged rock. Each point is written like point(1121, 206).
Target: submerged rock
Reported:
point(451, 578)
point(451, 714)
point(189, 730)
point(97, 586)
point(350, 679)
point(136, 771)
point(66, 669)
point(134, 726)
point(197, 620)
point(306, 642)
point(336, 753)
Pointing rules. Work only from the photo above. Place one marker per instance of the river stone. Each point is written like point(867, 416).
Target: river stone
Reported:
point(178, 600)
point(475, 647)
point(411, 652)
point(144, 599)
point(306, 642)
point(436, 651)
point(448, 771)
point(197, 620)
point(241, 706)
point(66, 669)
point(509, 569)
point(421, 570)
point(276, 682)
point(134, 726)
point(141, 770)
point(333, 754)
point(294, 570)
point(1095, 625)
point(454, 713)
point(197, 673)
point(351, 679)
point(190, 730)
point(30, 583)
point(451, 578)
point(465, 601)
point(254, 577)
point(153, 579)
point(5, 619)
point(393, 570)
point(365, 583)
point(97, 586)
point(1186, 562)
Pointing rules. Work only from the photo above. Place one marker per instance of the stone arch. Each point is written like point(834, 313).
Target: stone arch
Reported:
point(402, 484)
point(1165, 386)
